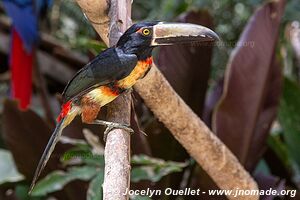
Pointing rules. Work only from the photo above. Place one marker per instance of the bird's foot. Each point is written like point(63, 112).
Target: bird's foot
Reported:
point(112, 125)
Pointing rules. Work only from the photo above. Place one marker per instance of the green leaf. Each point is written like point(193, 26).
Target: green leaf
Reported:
point(58, 179)
point(95, 188)
point(52, 182)
point(262, 167)
point(83, 157)
point(8, 170)
point(73, 153)
point(141, 173)
point(152, 173)
point(140, 198)
point(21, 191)
point(153, 169)
point(289, 117)
point(93, 159)
point(83, 173)
point(280, 148)
point(93, 45)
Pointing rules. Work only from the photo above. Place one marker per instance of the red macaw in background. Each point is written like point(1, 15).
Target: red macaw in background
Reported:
point(24, 15)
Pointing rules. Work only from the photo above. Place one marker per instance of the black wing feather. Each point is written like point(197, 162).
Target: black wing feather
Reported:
point(109, 66)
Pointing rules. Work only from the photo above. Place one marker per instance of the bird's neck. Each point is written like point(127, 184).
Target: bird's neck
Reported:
point(142, 53)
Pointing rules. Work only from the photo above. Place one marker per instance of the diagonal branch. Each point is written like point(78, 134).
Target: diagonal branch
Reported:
point(213, 156)
point(97, 13)
point(209, 152)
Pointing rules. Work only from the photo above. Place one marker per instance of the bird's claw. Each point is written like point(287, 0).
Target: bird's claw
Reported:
point(112, 125)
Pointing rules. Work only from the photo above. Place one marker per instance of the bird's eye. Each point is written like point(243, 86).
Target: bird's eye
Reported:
point(146, 31)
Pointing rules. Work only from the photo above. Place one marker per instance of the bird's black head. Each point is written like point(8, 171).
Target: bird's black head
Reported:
point(137, 39)
point(142, 37)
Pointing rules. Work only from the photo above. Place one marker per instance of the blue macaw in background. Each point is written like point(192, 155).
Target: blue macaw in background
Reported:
point(25, 35)
point(24, 15)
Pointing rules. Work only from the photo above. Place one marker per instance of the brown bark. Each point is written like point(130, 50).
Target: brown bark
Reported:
point(213, 156)
point(117, 147)
point(97, 13)
point(117, 152)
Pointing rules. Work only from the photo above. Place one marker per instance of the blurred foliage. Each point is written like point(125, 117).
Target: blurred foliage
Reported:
point(230, 17)
point(21, 191)
point(86, 166)
point(8, 170)
point(94, 193)
point(276, 143)
point(292, 11)
point(289, 118)
point(91, 45)
point(69, 24)
point(153, 169)
point(140, 198)
point(58, 179)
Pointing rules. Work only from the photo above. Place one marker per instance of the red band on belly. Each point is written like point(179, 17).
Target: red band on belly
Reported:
point(149, 60)
point(108, 91)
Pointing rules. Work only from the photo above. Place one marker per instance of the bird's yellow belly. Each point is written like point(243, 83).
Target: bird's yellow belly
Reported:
point(138, 72)
point(102, 95)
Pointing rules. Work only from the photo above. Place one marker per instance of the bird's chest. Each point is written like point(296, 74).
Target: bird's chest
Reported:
point(137, 73)
point(105, 94)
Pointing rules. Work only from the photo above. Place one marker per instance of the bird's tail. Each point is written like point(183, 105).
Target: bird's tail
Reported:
point(61, 124)
point(47, 152)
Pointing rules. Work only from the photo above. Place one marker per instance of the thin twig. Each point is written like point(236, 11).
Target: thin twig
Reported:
point(41, 88)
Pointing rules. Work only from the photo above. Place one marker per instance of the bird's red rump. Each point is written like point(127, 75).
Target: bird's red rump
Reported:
point(110, 91)
point(65, 108)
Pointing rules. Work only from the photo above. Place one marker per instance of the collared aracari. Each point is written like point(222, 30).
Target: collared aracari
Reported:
point(116, 70)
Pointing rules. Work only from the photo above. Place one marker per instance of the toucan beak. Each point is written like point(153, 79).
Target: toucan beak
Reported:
point(181, 33)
